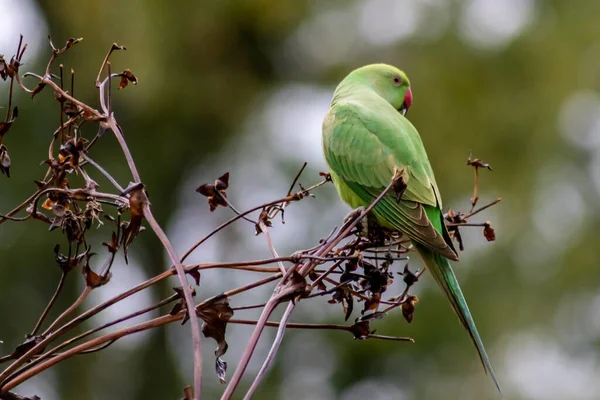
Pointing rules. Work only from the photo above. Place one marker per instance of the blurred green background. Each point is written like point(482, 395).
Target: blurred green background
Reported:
point(242, 86)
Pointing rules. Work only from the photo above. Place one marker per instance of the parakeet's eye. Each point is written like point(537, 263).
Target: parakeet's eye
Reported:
point(397, 80)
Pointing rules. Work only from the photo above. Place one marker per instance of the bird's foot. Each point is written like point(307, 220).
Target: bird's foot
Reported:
point(352, 215)
point(362, 226)
point(399, 183)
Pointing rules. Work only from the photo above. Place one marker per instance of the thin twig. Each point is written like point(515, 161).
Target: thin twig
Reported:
point(187, 294)
point(276, 298)
point(156, 322)
point(14, 219)
point(498, 200)
point(40, 321)
point(252, 285)
point(249, 350)
point(296, 178)
point(272, 352)
point(116, 129)
point(76, 321)
point(23, 204)
point(482, 224)
point(324, 275)
point(402, 298)
point(47, 81)
point(475, 197)
point(55, 350)
point(69, 310)
point(263, 228)
point(103, 172)
point(232, 208)
point(307, 267)
point(290, 198)
point(110, 51)
point(318, 327)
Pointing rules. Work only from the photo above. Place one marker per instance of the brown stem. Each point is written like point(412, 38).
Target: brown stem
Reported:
point(498, 200)
point(69, 310)
point(290, 198)
point(59, 132)
point(10, 90)
point(475, 198)
point(14, 219)
point(47, 81)
point(252, 285)
point(23, 204)
point(307, 267)
point(105, 61)
point(187, 294)
point(124, 148)
point(66, 343)
point(76, 321)
point(103, 172)
point(466, 224)
point(156, 322)
point(231, 207)
point(402, 297)
point(10, 93)
point(324, 275)
point(272, 351)
point(333, 327)
point(263, 228)
point(276, 298)
point(251, 346)
point(244, 265)
point(40, 321)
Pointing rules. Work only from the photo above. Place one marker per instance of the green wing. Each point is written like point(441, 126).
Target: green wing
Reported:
point(362, 148)
point(363, 142)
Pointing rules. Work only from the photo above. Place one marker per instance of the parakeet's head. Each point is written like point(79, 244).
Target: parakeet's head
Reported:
point(387, 81)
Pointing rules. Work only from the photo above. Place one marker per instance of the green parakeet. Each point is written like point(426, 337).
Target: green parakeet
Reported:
point(365, 138)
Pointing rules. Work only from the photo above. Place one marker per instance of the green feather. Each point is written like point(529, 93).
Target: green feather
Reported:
point(440, 269)
point(365, 139)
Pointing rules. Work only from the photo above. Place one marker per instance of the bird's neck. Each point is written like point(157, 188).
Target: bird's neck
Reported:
point(350, 92)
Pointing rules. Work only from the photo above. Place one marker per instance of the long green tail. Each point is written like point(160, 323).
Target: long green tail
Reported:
point(439, 267)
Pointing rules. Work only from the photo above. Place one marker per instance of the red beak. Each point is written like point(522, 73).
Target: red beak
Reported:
point(408, 98)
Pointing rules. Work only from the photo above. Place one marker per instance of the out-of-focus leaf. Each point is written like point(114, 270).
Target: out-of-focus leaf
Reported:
point(195, 273)
point(408, 276)
point(216, 313)
point(294, 286)
point(37, 89)
point(180, 305)
point(488, 232)
point(5, 126)
point(408, 308)
point(4, 161)
point(70, 152)
point(477, 163)
point(360, 329)
point(29, 343)
point(313, 276)
point(215, 192)
point(372, 303)
point(137, 202)
point(126, 77)
point(375, 280)
point(264, 218)
point(92, 279)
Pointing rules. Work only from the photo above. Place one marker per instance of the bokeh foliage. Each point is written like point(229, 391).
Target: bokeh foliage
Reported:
point(205, 67)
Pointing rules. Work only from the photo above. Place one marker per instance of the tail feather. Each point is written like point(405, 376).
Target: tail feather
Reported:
point(440, 269)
